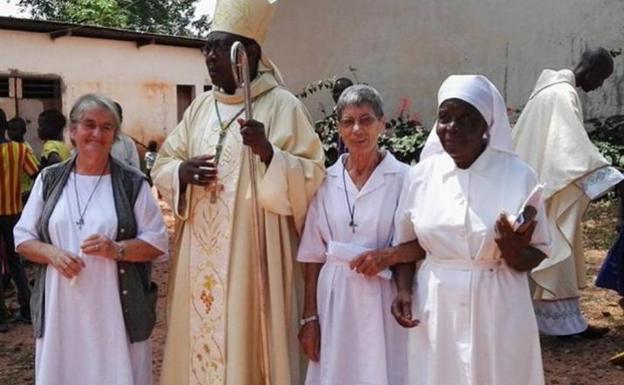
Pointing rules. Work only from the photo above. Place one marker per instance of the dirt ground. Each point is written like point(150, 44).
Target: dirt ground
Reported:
point(565, 362)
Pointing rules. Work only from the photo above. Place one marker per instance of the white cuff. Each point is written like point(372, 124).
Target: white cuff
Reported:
point(273, 188)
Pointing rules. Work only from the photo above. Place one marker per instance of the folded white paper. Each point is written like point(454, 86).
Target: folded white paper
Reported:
point(346, 252)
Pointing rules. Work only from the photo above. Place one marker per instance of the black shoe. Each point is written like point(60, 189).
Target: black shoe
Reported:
point(4, 327)
point(591, 333)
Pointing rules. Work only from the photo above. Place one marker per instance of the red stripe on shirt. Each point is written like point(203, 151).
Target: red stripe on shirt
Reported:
point(4, 188)
point(10, 180)
point(30, 163)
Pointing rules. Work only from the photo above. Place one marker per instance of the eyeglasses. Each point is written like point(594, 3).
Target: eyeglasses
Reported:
point(219, 47)
point(92, 125)
point(364, 121)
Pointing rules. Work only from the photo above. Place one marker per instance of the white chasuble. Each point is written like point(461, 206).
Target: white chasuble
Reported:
point(210, 245)
point(551, 138)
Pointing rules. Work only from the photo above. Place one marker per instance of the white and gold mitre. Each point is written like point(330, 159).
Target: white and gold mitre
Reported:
point(248, 18)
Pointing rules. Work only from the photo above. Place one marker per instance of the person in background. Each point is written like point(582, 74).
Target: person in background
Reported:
point(340, 85)
point(50, 131)
point(7, 287)
point(16, 132)
point(611, 274)
point(551, 138)
point(150, 157)
point(124, 148)
point(15, 159)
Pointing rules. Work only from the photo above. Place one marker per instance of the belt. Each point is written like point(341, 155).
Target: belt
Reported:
point(467, 264)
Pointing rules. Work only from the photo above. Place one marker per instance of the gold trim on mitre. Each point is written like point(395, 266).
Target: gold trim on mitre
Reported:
point(248, 18)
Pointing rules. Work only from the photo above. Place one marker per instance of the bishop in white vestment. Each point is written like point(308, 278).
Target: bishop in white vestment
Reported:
point(215, 324)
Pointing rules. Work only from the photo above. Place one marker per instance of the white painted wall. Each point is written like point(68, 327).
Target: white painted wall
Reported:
point(406, 48)
point(143, 80)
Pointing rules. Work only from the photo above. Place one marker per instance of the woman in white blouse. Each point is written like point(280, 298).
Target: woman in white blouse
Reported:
point(346, 330)
point(471, 293)
point(92, 227)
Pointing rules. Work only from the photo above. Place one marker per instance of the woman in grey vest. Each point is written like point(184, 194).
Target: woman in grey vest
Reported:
point(92, 228)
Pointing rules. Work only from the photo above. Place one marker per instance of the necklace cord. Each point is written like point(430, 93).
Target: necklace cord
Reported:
point(224, 128)
point(81, 213)
point(344, 183)
point(352, 223)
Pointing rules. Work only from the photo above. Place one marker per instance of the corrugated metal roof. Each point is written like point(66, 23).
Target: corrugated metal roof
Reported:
point(58, 30)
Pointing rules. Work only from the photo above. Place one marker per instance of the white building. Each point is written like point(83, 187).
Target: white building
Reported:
point(49, 65)
point(406, 48)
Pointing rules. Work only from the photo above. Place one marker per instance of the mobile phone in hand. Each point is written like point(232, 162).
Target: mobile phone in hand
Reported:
point(523, 220)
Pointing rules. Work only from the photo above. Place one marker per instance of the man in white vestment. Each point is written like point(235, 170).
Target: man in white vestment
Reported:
point(218, 333)
point(550, 137)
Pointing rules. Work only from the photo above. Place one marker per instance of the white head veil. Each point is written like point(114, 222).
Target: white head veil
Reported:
point(483, 95)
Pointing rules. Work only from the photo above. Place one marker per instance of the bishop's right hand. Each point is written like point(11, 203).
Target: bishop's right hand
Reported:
point(200, 170)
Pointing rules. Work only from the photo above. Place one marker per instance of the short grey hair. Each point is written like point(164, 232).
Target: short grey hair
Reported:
point(90, 101)
point(358, 95)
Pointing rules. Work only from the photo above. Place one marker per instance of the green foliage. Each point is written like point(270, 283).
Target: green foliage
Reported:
point(608, 136)
point(173, 17)
point(404, 137)
point(326, 84)
point(327, 130)
point(314, 87)
point(100, 12)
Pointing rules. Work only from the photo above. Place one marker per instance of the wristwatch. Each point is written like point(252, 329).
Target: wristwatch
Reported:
point(305, 321)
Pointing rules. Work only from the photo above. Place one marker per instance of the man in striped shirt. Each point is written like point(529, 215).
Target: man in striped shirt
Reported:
point(15, 158)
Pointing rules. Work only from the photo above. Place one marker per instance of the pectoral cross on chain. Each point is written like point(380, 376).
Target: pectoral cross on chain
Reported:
point(353, 225)
point(80, 223)
point(215, 188)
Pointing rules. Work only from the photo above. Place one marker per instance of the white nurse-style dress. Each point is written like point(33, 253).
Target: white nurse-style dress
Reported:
point(361, 342)
point(477, 322)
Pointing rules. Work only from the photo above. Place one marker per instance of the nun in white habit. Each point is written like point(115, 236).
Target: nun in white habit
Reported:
point(471, 294)
point(347, 330)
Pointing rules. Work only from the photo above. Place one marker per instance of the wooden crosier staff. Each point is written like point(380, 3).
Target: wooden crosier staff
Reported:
point(240, 69)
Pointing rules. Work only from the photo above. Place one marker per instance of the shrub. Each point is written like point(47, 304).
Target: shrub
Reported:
point(608, 136)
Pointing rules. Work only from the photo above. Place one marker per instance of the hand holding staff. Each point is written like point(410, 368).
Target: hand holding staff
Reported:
point(240, 69)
